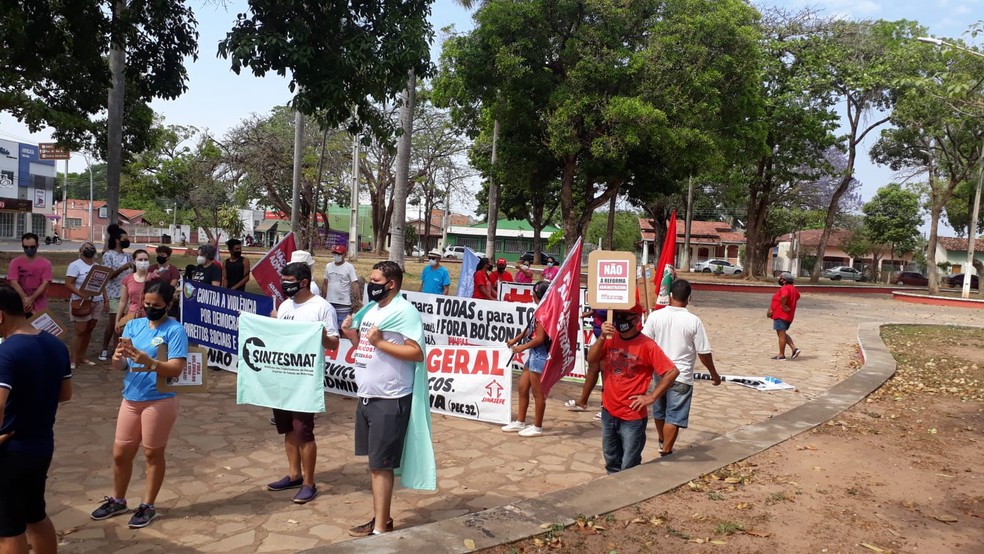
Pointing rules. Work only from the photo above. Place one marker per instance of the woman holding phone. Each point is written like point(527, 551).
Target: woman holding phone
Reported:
point(146, 415)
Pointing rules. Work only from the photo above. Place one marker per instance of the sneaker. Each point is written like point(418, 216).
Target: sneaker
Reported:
point(572, 406)
point(305, 495)
point(143, 516)
point(778, 357)
point(285, 484)
point(72, 365)
point(104, 355)
point(514, 426)
point(597, 416)
point(531, 431)
point(366, 529)
point(109, 508)
point(796, 354)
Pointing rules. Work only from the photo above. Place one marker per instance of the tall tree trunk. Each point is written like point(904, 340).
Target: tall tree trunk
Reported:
point(609, 238)
point(398, 219)
point(493, 215)
point(757, 213)
point(934, 224)
point(114, 109)
point(571, 227)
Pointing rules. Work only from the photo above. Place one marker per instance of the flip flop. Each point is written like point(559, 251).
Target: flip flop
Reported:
point(572, 406)
point(665, 454)
point(778, 357)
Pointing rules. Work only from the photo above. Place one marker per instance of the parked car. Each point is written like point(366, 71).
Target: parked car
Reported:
point(956, 281)
point(528, 257)
point(456, 252)
point(844, 272)
point(417, 252)
point(911, 278)
point(717, 266)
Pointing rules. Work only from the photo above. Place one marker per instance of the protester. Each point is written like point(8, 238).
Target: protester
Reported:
point(681, 336)
point(435, 278)
point(131, 296)
point(305, 257)
point(30, 276)
point(551, 270)
point(122, 264)
point(598, 317)
point(163, 269)
point(236, 267)
point(392, 419)
point(534, 340)
point(146, 416)
point(782, 310)
point(340, 283)
point(498, 275)
point(298, 427)
point(523, 273)
point(34, 378)
point(482, 283)
point(207, 271)
point(87, 316)
point(628, 361)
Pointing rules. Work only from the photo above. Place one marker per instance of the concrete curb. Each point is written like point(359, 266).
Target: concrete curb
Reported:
point(522, 519)
point(938, 300)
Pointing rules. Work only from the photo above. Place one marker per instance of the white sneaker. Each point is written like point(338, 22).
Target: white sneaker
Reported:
point(572, 406)
point(531, 431)
point(514, 426)
point(597, 416)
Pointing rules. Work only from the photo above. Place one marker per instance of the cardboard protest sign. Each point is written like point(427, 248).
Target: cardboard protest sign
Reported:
point(611, 280)
point(95, 281)
point(46, 321)
point(192, 379)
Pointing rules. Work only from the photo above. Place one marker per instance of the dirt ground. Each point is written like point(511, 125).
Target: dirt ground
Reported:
point(899, 472)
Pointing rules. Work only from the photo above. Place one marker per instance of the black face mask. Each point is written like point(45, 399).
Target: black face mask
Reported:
point(781, 282)
point(623, 324)
point(235, 254)
point(88, 252)
point(376, 291)
point(30, 250)
point(154, 313)
point(290, 288)
point(124, 243)
point(162, 260)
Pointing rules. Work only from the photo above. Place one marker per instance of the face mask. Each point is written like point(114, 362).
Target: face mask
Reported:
point(526, 267)
point(162, 260)
point(376, 291)
point(501, 268)
point(550, 264)
point(142, 265)
point(290, 288)
point(154, 313)
point(124, 243)
point(433, 263)
point(235, 254)
point(623, 324)
point(30, 251)
point(200, 260)
point(88, 252)
point(781, 282)
point(338, 258)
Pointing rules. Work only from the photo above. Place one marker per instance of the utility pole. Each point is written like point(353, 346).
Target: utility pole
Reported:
point(686, 232)
point(972, 236)
point(353, 245)
point(493, 215)
point(295, 212)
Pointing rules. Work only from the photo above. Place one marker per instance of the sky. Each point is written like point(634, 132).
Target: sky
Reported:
point(217, 99)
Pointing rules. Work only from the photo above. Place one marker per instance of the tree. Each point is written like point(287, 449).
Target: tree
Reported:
point(626, 231)
point(891, 218)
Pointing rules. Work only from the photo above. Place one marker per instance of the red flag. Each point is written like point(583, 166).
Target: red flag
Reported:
point(559, 314)
point(665, 270)
point(267, 270)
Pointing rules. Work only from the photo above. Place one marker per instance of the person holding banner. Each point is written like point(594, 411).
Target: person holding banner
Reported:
point(84, 324)
point(392, 418)
point(628, 361)
point(499, 274)
point(298, 427)
point(534, 339)
point(146, 416)
point(305, 257)
point(482, 283)
point(236, 267)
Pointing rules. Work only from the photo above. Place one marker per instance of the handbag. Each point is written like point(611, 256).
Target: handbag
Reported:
point(81, 307)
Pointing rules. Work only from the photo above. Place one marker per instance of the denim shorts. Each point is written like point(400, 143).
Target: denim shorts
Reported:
point(781, 324)
point(674, 406)
point(536, 361)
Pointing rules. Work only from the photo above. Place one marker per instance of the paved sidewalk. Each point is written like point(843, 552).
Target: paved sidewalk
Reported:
point(222, 454)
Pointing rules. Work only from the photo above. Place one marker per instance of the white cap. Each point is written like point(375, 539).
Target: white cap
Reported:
point(301, 256)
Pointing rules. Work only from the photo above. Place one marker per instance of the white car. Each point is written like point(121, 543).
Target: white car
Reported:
point(844, 272)
point(455, 252)
point(717, 266)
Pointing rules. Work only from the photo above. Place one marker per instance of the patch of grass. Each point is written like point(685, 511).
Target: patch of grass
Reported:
point(777, 497)
point(610, 518)
point(715, 495)
point(678, 534)
point(728, 528)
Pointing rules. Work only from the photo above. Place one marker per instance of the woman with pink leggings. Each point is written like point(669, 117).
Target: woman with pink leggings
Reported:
point(146, 415)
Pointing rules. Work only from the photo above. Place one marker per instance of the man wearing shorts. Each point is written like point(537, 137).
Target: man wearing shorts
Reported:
point(628, 361)
point(34, 378)
point(782, 310)
point(681, 336)
point(298, 427)
point(385, 363)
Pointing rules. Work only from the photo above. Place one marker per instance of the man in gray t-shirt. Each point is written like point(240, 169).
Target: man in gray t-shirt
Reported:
point(340, 283)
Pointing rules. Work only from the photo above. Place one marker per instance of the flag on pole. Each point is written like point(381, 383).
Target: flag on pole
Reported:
point(559, 314)
point(665, 270)
point(466, 280)
point(267, 270)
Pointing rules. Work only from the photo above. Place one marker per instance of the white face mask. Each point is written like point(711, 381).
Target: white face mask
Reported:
point(526, 267)
point(550, 264)
point(432, 262)
point(200, 260)
point(338, 258)
point(142, 265)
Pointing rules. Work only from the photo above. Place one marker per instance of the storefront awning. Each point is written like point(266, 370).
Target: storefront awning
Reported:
point(267, 225)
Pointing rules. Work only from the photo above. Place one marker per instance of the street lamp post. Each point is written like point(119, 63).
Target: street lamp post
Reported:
point(975, 213)
point(88, 164)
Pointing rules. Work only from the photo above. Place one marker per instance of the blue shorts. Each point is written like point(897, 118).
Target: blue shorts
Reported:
point(781, 324)
point(674, 406)
point(536, 360)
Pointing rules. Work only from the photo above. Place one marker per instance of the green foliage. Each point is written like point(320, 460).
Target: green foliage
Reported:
point(892, 218)
point(626, 234)
point(410, 239)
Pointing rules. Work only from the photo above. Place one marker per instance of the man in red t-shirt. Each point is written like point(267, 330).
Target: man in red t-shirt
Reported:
point(628, 360)
point(498, 275)
point(782, 310)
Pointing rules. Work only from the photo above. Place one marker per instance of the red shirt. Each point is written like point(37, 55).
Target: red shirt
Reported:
point(495, 277)
point(481, 278)
point(627, 370)
point(792, 297)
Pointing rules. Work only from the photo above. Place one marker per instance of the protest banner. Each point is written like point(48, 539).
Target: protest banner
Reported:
point(560, 316)
point(192, 379)
point(210, 316)
point(466, 279)
point(758, 383)
point(267, 270)
point(665, 270)
point(46, 321)
point(281, 364)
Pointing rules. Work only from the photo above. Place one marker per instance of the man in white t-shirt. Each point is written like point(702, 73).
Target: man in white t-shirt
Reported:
point(682, 337)
point(340, 283)
point(298, 427)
